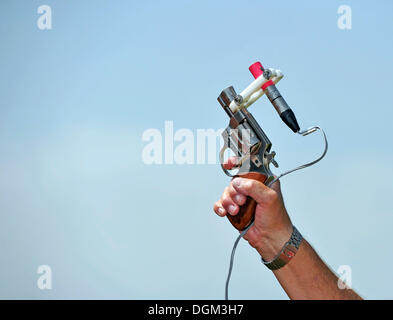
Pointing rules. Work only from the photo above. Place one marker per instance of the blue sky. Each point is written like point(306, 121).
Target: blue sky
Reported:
point(75, 101)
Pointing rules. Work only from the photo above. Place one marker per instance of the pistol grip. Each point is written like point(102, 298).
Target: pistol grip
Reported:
point(247, 211)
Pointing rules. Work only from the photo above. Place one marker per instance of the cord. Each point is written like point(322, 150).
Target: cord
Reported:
point(303, 133)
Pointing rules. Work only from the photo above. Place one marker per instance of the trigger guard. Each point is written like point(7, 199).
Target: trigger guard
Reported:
point(222, 161)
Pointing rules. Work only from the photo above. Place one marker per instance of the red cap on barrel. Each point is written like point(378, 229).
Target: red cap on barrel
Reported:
point(256, 70)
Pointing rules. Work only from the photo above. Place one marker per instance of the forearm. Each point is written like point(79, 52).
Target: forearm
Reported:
point(306, 276)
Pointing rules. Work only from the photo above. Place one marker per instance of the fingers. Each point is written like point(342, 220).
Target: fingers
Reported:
point(229, 202)
point(219, 209)
point(255, 189)
point(237, 197)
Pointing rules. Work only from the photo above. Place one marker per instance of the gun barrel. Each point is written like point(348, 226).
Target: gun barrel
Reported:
point(275, 97)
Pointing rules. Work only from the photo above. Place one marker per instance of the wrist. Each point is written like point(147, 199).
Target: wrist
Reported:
point(272, 243)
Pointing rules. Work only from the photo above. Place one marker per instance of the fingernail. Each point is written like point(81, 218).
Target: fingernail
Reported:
point(232, 208)
point(221, 210)
point(237, 182)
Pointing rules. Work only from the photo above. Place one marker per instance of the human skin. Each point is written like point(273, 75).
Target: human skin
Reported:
point(305, 276)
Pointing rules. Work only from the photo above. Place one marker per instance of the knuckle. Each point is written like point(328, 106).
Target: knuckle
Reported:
point(231, 189)
point(253, 185)
point(227, 201)
point(233, 193)
point(249, 184)
point(240, 199)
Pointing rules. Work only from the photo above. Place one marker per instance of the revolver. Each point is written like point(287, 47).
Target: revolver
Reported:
point(246, 139)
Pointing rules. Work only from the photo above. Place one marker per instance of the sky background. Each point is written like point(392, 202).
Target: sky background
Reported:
point(75, 101)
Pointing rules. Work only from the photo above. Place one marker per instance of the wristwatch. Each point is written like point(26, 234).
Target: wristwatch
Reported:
point(287, 252)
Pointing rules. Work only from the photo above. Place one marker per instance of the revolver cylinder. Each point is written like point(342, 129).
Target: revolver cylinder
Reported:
point(252, 148)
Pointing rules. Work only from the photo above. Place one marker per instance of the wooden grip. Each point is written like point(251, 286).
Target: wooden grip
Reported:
point(247, 211)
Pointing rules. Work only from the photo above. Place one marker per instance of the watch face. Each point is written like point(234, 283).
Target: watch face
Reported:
point(289, 253)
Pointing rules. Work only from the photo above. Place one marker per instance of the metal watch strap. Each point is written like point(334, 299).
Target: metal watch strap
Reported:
point(287, 252)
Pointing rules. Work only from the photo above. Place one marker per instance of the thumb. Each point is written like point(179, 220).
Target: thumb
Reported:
point(255, 189)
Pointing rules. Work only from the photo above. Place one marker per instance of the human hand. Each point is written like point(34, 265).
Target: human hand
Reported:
point(272, 226)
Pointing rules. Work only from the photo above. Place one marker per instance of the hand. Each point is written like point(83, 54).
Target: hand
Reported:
point(272, 226)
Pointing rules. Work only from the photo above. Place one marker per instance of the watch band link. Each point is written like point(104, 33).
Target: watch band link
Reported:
point(287, 252)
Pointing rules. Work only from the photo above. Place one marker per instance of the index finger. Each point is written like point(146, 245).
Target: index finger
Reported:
point(230, 163)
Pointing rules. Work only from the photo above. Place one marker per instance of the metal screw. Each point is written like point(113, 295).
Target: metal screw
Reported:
point(267, 74)
point(238, 99)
